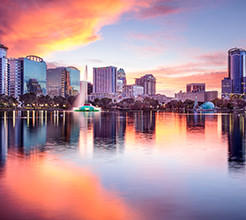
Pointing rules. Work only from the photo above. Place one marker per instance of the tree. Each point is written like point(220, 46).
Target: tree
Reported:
point(28, 99)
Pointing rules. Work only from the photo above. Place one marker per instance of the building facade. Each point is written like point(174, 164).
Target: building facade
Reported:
point(27, 75)
point(148, 82)
point(104, 80)
point(89, 88)
point(235, 83)
point(133, 91)
point(4, 77)
point(34, 68)
point(63, 81)
point(121, 80)
point(197, 91)
point(74, 77)
point(56, 82)
point(16, 78)
point(195, 87)
point(226, 89)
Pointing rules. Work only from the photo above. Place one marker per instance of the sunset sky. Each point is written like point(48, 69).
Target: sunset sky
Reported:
point(178, 41)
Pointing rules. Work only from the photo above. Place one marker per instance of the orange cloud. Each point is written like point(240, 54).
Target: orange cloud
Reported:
point(41, 27)
point(173, 85)
point(44, 26)
point(62, 191)
point(207, 68)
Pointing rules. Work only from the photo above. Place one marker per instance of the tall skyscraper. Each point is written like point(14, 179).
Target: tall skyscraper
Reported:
point(120, 81)
point(63, 81)
point(104, 80)
point(148, 82)
point(89, 88)
point(74, 75)
point(25, 74)
point(16, 75)
point(3, 70)
point(236, 81)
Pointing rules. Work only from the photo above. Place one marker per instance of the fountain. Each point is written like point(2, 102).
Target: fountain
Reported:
point(81, 104)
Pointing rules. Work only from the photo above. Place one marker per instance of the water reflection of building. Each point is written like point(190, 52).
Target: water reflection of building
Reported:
point(109, 131)
point(16, 129)
point(62, 128)
point(22, 135)
point(104, 131)
point(3, 141)
point(195, 122)
point(234, 125)
point(145, 122)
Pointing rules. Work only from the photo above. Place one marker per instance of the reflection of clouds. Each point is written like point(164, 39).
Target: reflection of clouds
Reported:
point(54, 189)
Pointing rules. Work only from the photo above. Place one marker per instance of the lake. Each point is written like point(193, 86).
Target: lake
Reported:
point(122, 165)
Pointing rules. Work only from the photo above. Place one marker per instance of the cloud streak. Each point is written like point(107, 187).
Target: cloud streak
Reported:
point(44, 26)
point(207, 68)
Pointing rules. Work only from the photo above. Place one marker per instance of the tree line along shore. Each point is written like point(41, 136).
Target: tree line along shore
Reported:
point(30, 101)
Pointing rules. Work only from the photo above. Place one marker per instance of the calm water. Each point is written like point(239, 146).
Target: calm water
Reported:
point(117, 166)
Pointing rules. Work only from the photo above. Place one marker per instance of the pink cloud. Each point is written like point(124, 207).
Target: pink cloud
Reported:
point(207, 68)
point(43, 26)
point(215, 58)
point(157, 10)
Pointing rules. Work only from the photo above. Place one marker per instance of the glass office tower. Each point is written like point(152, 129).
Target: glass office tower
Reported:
point(3, 70)
point(236, 69)
point(235, 83)
point(63, 81)
point(74, 75)
point(34, 71)
point(27, 75)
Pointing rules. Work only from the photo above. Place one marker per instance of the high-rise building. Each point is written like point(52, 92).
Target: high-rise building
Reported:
point(16, 80)
point(236, 81)
point(195, 87)
point(226, 87)
point(63, 81)
point(121, 80)
point(3, 70)
point(27, 75)
point(89, 88)
point(196, 91)
point(74, 75)
point(148, 82)
point(104, 80)
point(56, 79)
point(133, 91)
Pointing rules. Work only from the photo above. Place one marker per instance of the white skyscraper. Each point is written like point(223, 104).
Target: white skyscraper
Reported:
point(104, 80)
point(15, 77)
point(3, 70)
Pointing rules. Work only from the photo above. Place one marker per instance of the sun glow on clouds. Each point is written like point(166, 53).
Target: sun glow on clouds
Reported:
point(44, 26)
point(206, 68)
point(41, 27)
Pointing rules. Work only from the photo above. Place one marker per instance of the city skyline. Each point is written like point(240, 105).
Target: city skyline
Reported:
point(170, 39)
